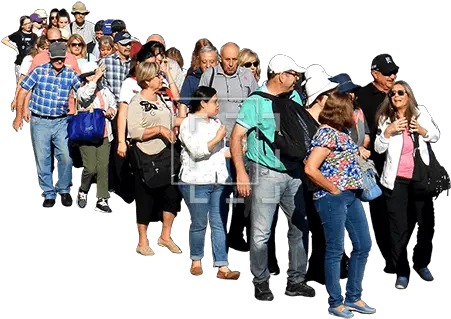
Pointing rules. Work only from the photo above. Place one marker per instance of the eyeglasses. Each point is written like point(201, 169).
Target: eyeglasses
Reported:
point(76, 45)
point(296, 75)
point(390, 73)
point(249, 64)
point(148, 106)
point(55, 40)
point(392, 93)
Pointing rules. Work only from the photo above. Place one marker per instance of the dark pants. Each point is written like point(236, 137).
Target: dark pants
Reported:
point(404, 211)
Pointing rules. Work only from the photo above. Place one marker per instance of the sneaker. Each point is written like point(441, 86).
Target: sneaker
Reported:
point(82, 199)
point(402, 282)
point(102, 206)
point(424, 273)
point(299, 289)
point(262, 291)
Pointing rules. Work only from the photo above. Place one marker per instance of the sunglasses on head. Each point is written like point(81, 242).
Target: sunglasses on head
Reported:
point(148, 106)
point(249, 64)
point(392, 93)
point(76, 44)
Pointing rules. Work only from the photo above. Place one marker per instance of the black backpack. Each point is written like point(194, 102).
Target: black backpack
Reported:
point(294, 130)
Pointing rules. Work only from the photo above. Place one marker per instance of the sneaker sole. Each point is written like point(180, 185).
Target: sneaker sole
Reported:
point(102, 211)
point(359, 311)
point(81, 206)
point(331, 313)
point(400, 287)
point(294, 294)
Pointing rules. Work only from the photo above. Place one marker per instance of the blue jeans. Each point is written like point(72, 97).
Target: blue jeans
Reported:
point(204, 203)
point(269, 189)
point(44, 133)
point(338, 212)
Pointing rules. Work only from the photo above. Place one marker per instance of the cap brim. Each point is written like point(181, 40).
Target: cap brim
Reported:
point(300, 69)
point(348, 87)
point(125, 42)
point(58, 57)
point(85, 75)
point(85, 13)
point(328, 87)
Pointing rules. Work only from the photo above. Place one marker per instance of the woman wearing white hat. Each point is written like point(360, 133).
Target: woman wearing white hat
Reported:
point(95, 154)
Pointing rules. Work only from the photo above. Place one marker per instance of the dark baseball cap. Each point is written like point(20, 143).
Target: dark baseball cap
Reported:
point(384, 63)
point(57, 50)
point(123, 38)
point(345, 83)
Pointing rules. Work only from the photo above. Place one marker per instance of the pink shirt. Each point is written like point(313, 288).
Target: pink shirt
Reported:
point(406, 164)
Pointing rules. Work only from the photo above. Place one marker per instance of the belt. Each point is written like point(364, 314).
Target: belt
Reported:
point(49, 117)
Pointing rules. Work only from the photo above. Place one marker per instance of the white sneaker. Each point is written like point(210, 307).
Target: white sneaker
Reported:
point(82, 199)
point(102, 205)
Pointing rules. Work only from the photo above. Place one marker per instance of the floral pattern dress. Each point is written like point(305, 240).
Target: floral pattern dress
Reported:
point(340, 166)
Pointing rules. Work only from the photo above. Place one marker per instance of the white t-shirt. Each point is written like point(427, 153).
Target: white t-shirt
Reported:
point(26, 64)
point(128, 90)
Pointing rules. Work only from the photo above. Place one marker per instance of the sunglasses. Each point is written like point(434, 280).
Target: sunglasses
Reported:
point(58, 60)
point(53, 17)
point(392, 93)
point(148, 106)
point(82, 13)
point(76, 45)
point(390, 73)
point(249, 64)
point(56, 40)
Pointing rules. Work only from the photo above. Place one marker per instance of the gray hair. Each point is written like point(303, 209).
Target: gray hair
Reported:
point(209, 48)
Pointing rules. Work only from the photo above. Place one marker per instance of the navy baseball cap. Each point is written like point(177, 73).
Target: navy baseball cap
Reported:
point(345, 83)
point(123, 38)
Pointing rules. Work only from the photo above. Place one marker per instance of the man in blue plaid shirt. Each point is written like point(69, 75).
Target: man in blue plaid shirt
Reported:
point(117, 70)
point(50, 85)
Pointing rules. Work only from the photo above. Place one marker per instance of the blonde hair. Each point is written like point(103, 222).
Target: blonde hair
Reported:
point(84, 51)
point(247, 55)
point(146, 71)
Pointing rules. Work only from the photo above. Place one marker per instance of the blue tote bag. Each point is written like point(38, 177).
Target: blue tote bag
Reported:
point(87, 124)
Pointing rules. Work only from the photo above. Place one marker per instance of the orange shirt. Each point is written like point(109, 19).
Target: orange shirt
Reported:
point(71, 62)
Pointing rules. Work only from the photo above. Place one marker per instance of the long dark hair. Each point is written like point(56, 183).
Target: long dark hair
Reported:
point(387, 111)
point(202, 93)
point(63, 13)
point(54, 10)
point(22, 19)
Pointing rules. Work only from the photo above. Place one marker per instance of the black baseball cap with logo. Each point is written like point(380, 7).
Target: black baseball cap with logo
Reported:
point(384, 63)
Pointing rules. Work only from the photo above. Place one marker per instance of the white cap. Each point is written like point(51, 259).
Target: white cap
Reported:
point(41, 13)
point(313, 71)
point(282, 63)
point(317, 82)
point(88, 67)
point(65, 34)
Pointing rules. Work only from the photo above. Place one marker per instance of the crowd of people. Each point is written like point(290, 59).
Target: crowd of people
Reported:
point(211, 136)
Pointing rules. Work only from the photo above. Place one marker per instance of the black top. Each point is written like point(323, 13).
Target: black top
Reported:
point(24, 43)
point(369, 98)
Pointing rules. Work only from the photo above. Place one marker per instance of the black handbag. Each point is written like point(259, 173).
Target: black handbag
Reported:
point(428, 180)
point(157, 170)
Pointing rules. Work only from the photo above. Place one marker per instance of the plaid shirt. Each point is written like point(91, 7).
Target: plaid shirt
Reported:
point(50, 95)
point(116, 72)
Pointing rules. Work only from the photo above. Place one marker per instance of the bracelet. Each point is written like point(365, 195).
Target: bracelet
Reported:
point(121, 142)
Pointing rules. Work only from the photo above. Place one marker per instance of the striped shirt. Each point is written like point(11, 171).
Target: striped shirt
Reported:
point(116, 72)
point(50, 90)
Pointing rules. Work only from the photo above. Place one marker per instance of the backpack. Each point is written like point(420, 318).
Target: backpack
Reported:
point(294, 130)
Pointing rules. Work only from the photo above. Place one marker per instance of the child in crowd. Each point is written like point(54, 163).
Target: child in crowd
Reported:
point(106, 45)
